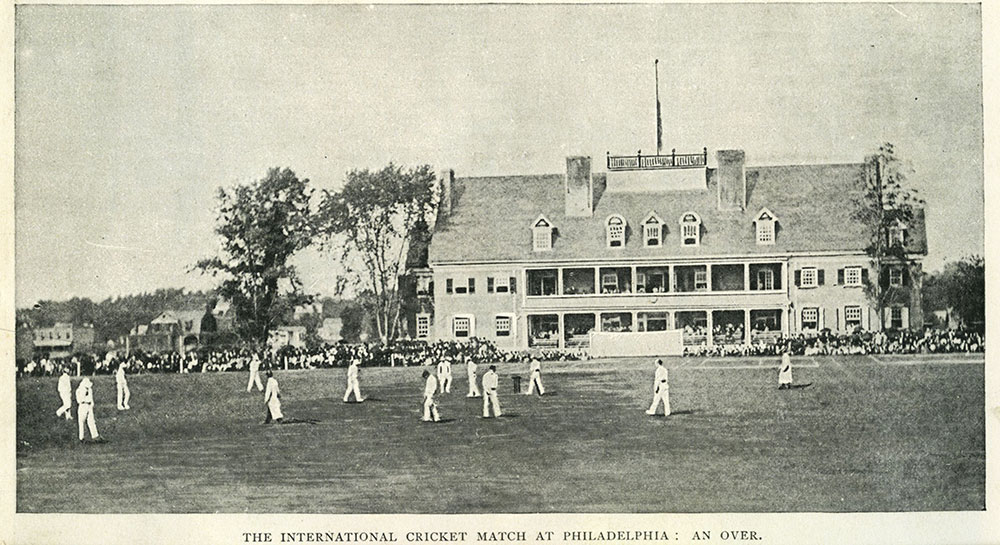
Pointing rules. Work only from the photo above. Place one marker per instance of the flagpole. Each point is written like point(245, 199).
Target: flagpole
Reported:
point(659, 122)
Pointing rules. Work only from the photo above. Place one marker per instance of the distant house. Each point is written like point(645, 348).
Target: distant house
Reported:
point(171, 331)
point(287, 335)
point(62, 340)
point(329, 332)
point(308, 310)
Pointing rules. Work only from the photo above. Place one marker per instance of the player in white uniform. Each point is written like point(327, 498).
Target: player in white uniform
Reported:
point(430, 407)
point(470, 369)
point(85, 408)
point(785, 372)
point(490, 383)
point(254, 374)
point(661, 390)
point(66, 395)
point(535, 378)
point(352, 382)
point(272, 397)
point(122, 385)
point(444, 375)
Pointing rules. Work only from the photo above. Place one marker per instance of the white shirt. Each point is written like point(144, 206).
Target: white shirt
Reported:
point(254, 364)
point(120, 375)
point(352, 371)
point(444, 368)
point(470, 366)
point(84, 393)
point(660, 378)
point(271, 389)
point(490, 380)
point(64, 385)
point(431, 386)
point(536, 366)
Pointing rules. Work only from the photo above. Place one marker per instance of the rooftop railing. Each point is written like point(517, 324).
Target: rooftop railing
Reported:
point(658, 162)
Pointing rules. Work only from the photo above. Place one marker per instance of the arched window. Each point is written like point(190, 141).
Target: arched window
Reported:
point(652, 231)
point(765, 221)
point(541, 234)
point(616, 231)
point(690, 229)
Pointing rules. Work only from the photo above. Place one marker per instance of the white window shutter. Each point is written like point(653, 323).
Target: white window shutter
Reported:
point(793, 320)
point(865, 323)
point(472, 326)
point(906, 317)
point(888, 317)
point(822, 318)
point(837, 314)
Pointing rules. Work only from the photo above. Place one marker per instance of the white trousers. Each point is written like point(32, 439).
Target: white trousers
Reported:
point(123, 396)
point(255, 379)
point(353, 386)
point(85, 413)
point(274, 407)
point(491, 399)
point(67, 406)
point(536, 378)
point(473, 389)
point(445, 382)
point(430, 410)
point(662, 395)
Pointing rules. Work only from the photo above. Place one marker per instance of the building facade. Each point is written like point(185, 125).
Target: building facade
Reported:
point(728, 254)
point(62, 340)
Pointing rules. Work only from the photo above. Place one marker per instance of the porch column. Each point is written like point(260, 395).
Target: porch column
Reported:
point(708, 314)
point(635, 279)
point(746, 277)
point(746, 326)
point(708, 285)
point(562, 332)
point(597, 280)
point(671, 281)
point(635, 322)
point(559, 282)
point(784, 321)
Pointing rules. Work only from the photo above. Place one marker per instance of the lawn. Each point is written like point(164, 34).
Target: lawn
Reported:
point(888, 434)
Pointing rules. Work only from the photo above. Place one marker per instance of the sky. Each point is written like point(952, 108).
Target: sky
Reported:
point(128, 118)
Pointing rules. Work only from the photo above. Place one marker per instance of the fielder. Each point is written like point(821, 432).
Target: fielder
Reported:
point(352, 382)
point(470, 369)
point(85, 408)
point(66, 395)
point(661, 390)
point(444, 375)
point(785, 372)
point(254, 374)
point(272, 397)
point(535, 378)
point(430, 407)
point(490, 383)
point(123, 392)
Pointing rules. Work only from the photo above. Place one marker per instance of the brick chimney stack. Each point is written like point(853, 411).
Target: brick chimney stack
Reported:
point(732, 179)
point(579, 187)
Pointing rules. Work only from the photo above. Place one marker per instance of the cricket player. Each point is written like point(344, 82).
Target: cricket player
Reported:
point(123, 392)
point(470, 369)
point(272, 397)
point(352, 382)
point(535, 377)
point(85, 408)
point(785, 372)
point(444, 375)
point(66, 395)
point(254, 374)
point(661, 390)
point(490, 383)
point(430, 407)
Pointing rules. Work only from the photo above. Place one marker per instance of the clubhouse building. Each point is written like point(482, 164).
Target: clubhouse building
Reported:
point(657, 250)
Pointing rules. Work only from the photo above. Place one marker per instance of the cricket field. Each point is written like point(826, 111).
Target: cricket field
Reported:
point(868, 433)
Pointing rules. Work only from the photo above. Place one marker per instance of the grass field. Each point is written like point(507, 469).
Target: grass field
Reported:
point(869, 434)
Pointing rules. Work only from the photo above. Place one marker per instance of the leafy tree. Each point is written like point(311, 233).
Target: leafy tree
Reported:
point(885, 205)
point(962, 289)
point(369, 222)
point(261, 225)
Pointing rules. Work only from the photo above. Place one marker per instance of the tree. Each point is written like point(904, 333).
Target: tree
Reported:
point(960, 288)
point(374, 216)
point(261, 225)
point(884, 207)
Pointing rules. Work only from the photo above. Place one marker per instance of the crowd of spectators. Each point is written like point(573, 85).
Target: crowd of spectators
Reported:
point(930, 341)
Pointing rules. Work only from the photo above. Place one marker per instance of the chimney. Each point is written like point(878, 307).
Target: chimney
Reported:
point(732, 180)
point(579, 187)
point(446, 180)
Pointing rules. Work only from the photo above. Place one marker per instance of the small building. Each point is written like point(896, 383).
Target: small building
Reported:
point(287, 335)
point(62, 340)
point(329, 332)
point(171, 331)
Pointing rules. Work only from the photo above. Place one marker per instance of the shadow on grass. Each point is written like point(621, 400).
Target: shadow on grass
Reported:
point(287, 421)
point(799, 386)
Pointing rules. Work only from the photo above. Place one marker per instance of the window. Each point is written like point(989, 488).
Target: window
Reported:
point(896, 318)
point(852, 276)
point(425, 285)
point(449, 285)
point(809, 278)
point(609, 283)
point(810, 318)
point(765, 226)
point(653, 321)
point(700, 280)
point(897, 235)
point(541, 234)
point(469, 287)
point(652, 231)
point(765, 279)
point(616, 231)
point(541, 282)
point(423, 326)
point(462, 326)
point(895, 276)
point(852, 317)
point(502, 284)
point(503, 326)
point(690, 229)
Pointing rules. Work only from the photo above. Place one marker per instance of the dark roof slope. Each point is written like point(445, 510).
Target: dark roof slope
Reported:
point(492, 216)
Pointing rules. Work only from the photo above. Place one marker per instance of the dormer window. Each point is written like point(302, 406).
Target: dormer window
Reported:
point(690, 229)
point(897, 235)
point(765, 221)
point(616, 231)
point(541, 234)
point(652, 231)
